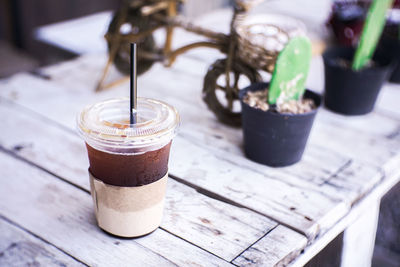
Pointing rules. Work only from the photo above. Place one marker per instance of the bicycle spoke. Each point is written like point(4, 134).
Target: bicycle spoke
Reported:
point(235, 85)
point(230, 103)
point(221, 87)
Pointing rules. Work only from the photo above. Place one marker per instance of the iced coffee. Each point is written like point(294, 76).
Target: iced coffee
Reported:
point(128, 162)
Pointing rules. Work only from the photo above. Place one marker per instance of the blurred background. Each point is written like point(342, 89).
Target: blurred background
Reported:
point(20, 46)
point(26, 42)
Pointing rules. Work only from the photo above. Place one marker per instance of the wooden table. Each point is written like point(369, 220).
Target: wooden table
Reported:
point(221, 209)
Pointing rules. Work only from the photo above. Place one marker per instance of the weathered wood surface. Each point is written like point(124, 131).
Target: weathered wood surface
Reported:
point(309, 197)
point(187, 213)
point(200, 161)
point(258, 253)
point(63, 216)
point(19, 248)
point(347, 159)
point(323, 160)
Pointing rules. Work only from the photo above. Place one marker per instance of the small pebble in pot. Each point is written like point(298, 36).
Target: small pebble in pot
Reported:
point(259, 100)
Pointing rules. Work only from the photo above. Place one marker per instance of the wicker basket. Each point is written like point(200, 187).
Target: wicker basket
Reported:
point(261, 38)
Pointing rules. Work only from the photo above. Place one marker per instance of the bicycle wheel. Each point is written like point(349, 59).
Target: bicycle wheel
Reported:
point(133, 23)
point(222, 99)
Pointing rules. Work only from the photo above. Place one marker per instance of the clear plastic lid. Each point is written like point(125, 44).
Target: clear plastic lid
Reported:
point(106, 125)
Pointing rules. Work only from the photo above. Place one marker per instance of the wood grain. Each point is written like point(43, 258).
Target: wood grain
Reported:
point(200, 129)
point(19, 248)
point(255, 256)
point(63, 216)
point(187, 213)
point(188, 157)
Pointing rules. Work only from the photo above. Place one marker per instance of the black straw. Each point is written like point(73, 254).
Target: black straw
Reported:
point(133, 99)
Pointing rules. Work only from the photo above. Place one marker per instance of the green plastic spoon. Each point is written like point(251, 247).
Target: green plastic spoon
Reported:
point(372, 30)
point(290, 72)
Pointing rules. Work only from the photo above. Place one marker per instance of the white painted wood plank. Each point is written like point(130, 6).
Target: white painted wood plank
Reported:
point(359, 238)
point(63, 215)
point(19, 248)
point(300, 212)
point(186, 86)
point(354, 138)
point(222, 229)
point(197, 122)
point(365, 124)
point(210, 224)
point(187, 76)
point(364, 179)
point(41, 141)
point(283, 241)
point(200, 127)
point(299, 207)
point(294, 211)
point(388, 101)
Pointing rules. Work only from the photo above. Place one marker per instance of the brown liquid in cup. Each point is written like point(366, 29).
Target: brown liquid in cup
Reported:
point(129, 170)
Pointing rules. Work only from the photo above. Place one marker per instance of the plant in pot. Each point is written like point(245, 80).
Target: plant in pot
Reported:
point(277, 117)
point(352, 88)
point(390, 41)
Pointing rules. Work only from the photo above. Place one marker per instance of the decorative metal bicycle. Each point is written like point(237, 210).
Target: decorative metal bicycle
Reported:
point(137, 20)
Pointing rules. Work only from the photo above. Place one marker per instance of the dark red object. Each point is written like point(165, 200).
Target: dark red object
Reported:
point(129, 170)
point(347, 20)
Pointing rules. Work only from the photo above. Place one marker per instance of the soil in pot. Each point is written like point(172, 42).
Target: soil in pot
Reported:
point(352, 92)
point(259, 99)
point(276, 135)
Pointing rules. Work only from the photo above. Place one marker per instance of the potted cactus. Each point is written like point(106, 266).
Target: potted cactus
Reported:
point(353, 78)
point(277, 117)
point(390, 42)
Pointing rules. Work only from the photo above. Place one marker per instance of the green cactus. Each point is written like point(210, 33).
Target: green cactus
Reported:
point(291, 70)
point(372, 30)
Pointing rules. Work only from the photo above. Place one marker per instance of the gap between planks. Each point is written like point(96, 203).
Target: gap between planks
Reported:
point(16, 156)
point(277, 208)
point(33, 235)
point(254, 243)
point(251, 169)
point(199, 189)
point(60, 192)
point(86, 190)
point(218, 197)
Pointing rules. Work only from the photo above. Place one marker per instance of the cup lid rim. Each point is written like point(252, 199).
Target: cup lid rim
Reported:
point(161, 122)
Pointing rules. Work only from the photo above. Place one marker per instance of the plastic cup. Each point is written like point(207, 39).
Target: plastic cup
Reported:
point(128, 162)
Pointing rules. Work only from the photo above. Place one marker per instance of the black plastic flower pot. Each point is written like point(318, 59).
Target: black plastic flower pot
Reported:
point(390, 48)
point(272, 138)
point(352, 92)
